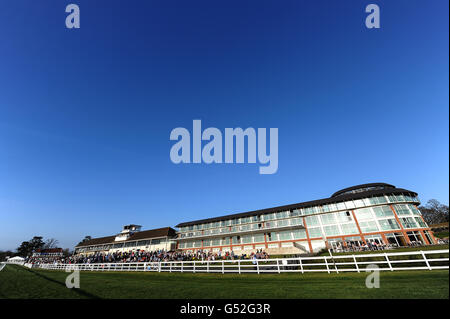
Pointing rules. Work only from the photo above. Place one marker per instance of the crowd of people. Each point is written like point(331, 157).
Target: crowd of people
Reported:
point(146, 256)
point(369, 246)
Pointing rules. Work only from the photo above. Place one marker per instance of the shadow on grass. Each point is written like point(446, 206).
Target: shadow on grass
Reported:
point(79, 291)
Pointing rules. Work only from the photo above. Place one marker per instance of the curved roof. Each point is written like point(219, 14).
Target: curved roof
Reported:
point(389, 189)
point(362, 187)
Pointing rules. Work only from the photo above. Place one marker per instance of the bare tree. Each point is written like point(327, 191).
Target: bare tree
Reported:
point(434, 212)
point(51, 243)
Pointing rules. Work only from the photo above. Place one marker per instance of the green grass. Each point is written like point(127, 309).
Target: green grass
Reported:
point(20, 282)
point(443, 234)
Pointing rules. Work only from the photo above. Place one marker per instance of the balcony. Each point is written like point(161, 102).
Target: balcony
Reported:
point(272, 226)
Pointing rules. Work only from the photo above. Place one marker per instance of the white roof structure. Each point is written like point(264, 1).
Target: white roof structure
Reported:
point(16, 259)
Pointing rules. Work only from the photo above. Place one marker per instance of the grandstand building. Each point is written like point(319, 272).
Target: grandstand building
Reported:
point(130, 238)
point(371, 213)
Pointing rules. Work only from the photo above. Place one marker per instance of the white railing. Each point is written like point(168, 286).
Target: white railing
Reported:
point(415, 260)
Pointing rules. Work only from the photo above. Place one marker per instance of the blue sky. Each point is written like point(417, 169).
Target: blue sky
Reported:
point(85, 115)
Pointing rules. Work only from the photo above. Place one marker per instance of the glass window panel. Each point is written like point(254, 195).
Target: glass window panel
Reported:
point(296, 221)
point(198, 243)
point(392, 198)
point(258, 238)
point(382, 200)
point(328, 219)
point(368, 226)
point(363, 213)
point(388, 224)
point(282, 223)
point(236, 240)
point(295, 213)
point(358, 203)
point(349, 204)
point(420, 222)
point(247, 239)
point(383, 211)
point(143, 242)
point(312, 221)
point(414, 209)
point(299, 234)
point(130, 244)
point(314, 232)
point(350, 228)
point(332, 207)
point(285, 235)
point(344, 216)
point(273, 236)
point(331, 230)
point(408, 222)
point(402, 210)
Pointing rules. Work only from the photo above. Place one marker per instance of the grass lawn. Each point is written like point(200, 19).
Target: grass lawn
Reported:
point(20, 282)
point(443, 234)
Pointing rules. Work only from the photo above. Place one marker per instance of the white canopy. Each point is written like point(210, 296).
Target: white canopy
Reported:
point(16, 259)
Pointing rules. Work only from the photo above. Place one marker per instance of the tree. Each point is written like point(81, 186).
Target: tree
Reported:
point(51, 243)
point(4, 254)
point(434, 212)
point(27, 247)
point(86, 238)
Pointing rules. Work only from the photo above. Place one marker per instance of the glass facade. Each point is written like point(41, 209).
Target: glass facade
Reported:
point(342, 220)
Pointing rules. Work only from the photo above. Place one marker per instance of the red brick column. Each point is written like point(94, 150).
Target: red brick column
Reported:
point(307, 235)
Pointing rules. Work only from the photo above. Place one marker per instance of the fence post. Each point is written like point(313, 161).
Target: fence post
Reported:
point(326, 263)
point(223, 267)
point(207, 266)
point(426, 260)
point(301, 264)
point(145, 266)
point(239, 265)
point(388, 261)
point(356, 264)
point(278, 265)
point(193, 269)
point(182, 266)
point(159, 267)
point(170, 267)
point(257, 265)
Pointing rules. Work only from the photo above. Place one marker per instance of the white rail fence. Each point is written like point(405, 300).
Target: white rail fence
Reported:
point(415, 260)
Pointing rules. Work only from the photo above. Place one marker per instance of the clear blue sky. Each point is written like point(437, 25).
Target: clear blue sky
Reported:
point(85, 115)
